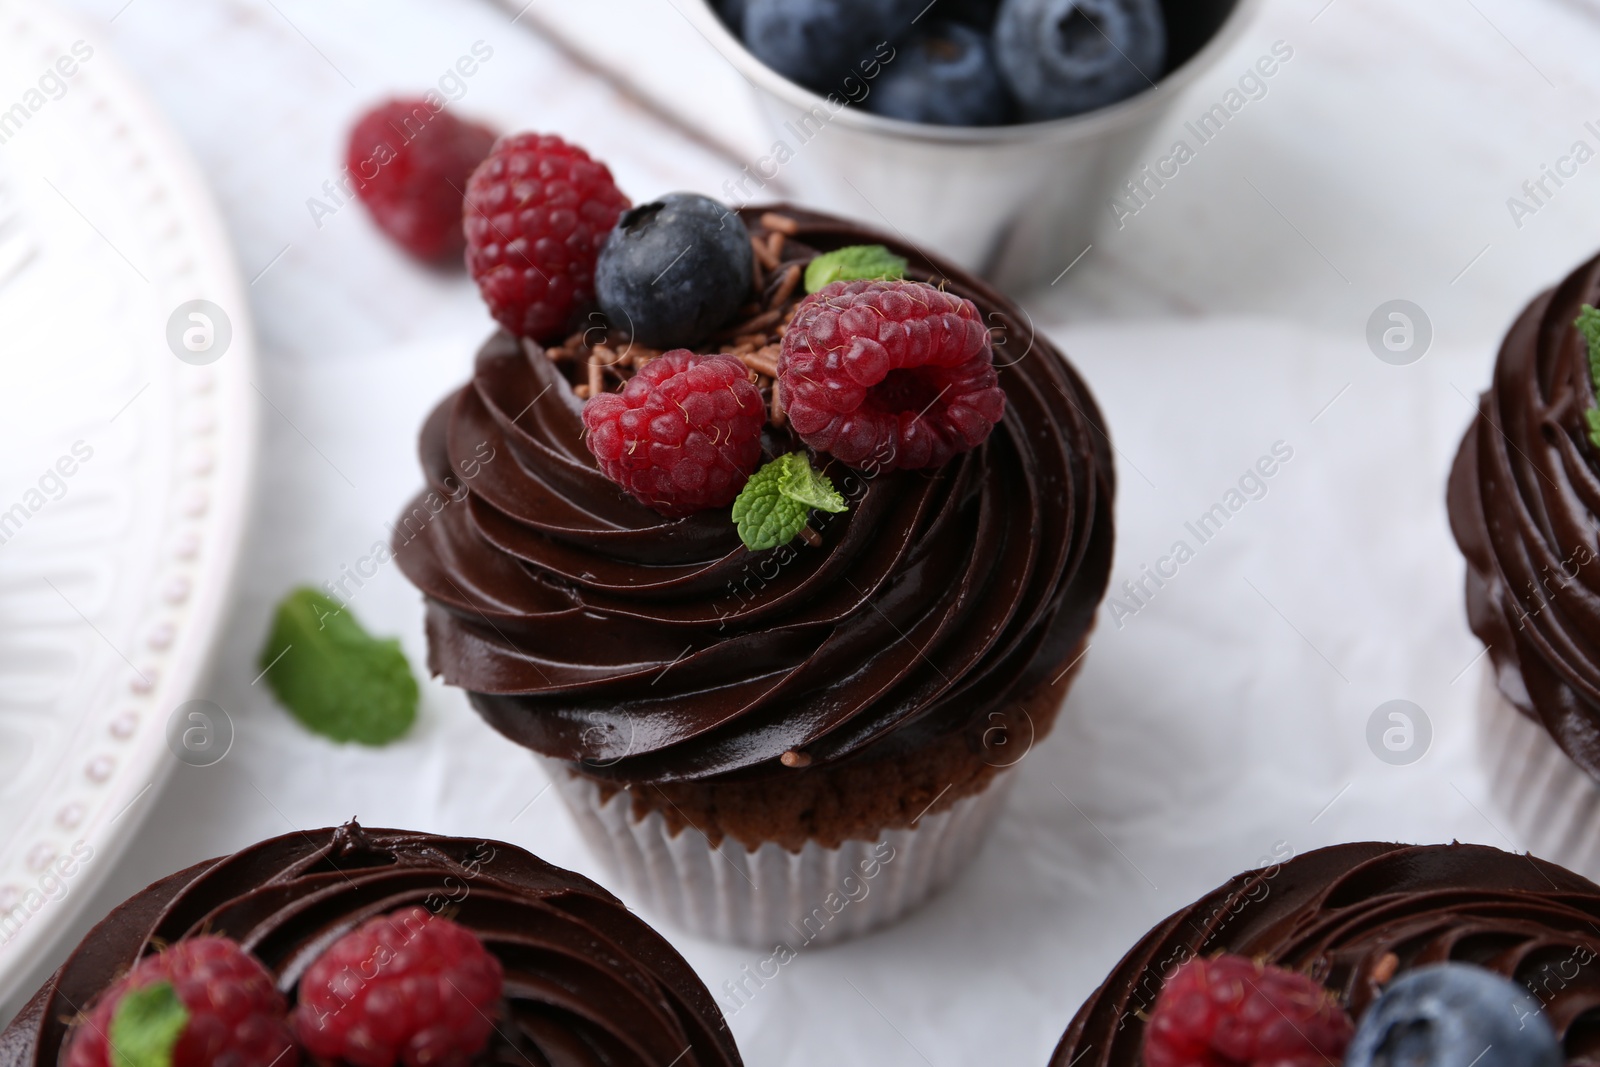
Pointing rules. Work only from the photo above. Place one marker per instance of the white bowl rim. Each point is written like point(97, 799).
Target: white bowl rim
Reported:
point(705, 19)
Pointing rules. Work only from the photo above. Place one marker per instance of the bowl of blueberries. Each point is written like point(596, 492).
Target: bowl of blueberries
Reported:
point(991, 131)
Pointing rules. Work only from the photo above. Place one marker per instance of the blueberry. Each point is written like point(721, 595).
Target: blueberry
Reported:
point(821, 43)
point(1064, 57)
point(675, 270)
point(946, 76)
point(1452, 1015)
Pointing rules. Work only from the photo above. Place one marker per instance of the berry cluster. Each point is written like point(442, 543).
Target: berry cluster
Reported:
point(1230, 1011)
point(875, 370)
point(405, 988)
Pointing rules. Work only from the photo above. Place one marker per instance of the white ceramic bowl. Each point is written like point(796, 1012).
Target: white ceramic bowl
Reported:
point(1014, 203)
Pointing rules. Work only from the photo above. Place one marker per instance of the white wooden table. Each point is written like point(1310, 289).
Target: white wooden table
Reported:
point(1223, 720)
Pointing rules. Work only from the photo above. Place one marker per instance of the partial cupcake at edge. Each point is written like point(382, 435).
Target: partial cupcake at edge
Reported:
point(1360, 955)
point(779, 541)
point(371, 948)
point(1524, 495)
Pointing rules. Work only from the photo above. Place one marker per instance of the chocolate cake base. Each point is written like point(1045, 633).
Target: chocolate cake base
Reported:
point(858, 799)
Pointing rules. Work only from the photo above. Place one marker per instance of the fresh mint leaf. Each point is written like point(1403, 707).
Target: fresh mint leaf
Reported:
point(146, 1026)
point(336, 678)
point(765, 517)
point(800, 482)
point(854, 263)
point(777, 501)
point(1588, 324)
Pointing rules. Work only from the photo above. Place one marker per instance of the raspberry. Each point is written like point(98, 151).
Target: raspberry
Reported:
point(1232, 1011)
point(538, 212)
point(889, 374)
point(411, 166)
point(235, 1012)
point(408, 988)
point(684, 434)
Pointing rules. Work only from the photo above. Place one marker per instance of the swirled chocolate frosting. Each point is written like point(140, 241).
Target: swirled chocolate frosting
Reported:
point(586, 982)
point(1339, 914)
point(592, 630)
point(1524, 494)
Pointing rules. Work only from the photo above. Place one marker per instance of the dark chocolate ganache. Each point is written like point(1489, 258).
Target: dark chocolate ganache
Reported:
point(1523, 498)
point(592, 630)
point(1353, 916)
point(586, 982)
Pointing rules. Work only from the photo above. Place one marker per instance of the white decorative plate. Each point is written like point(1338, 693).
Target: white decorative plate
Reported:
point(124, 474)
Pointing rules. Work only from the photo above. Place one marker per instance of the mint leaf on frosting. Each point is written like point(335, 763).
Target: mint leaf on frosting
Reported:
point(146, 1026)
point(765, 517)
point(800, 482)
point(336, 678)
point(777, 501)
point(1588, 324)
point(855, 263)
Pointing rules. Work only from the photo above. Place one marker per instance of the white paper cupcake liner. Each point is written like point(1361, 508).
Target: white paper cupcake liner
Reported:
point(1552, 803)
point(772, 896)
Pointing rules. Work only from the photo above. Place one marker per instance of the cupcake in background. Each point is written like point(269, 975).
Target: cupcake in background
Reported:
point(371, 947)
point(1524, 498)
point(780, 558)
point(1365, 955)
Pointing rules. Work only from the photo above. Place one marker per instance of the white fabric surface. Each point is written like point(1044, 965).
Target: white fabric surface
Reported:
point(1225, 720)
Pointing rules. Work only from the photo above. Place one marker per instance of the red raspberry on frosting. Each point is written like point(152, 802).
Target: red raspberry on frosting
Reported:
point(538, 212)
point(234, 1012)
point(683, 435)
point(407, 988)
point(889, 374)
point(411, 165)
point(1236, 1012)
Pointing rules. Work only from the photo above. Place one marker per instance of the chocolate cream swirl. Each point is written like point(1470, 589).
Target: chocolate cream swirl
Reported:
point(594, 631)
point(1339, 913)
point(586, 982)
point(1523, 496)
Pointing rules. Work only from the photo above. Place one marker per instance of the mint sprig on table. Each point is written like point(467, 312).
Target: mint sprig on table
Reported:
point(145, 1029)
point(855, 263)
point(777, 501)
point(333, 676)
point(1588, 324)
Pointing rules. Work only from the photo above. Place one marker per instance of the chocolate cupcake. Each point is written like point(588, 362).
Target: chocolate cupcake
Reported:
point(1524, 498)
point(584, 980)
point(1362, 921)
point(799, 742)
